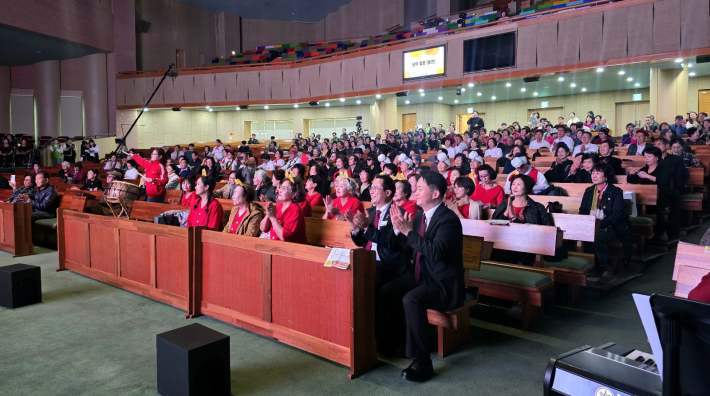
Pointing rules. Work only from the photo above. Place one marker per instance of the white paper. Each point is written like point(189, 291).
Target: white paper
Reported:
point(643, 305)
point(338, 258)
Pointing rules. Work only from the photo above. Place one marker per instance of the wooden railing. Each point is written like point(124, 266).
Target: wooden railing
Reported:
point(16, 228)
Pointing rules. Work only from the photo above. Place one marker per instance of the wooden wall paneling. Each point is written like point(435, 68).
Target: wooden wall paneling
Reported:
point(213, 92)
point(369, 76)
point(363, 346)
point(123, 87)
point(183, 85)
point(229, 82)
point(695, 15)
point(243, 86)
point(331, 78)
point(350, 68)
point(256, 86)
point(666, 26)
point(526, 56)
point(266, 287)
point(136, 259)
point(7, 227)
point(290, 83)
point(77, 247)
point(199, 84)
point(568, 41)
point(172, 262)
point(638, 23)
point(590, 43)
point(159, 96)
point(454, 59)
point(276, 84)
point(170, 93)
point(614, 34)
point(308, 77)
point(547, 44)
point(103, 252)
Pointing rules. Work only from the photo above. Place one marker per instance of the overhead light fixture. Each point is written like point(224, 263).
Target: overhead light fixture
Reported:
point(207, 107)
point(295, 106)
point(470, 85)
point(456, 100)
point(600, 69)
point(560, 79)
point(463, 89)
point(584, 89)
point(234, 52)
point(523, 89)
point(406, 102)
point(441, 98)
point(637, 85)
point(243, 107)
point(678, 60)
point(422, 94)
point(421, 90)
point(238, 108)
point(534, 93)
point(690, 65)
point(358, 101)
point(266, 107)
point(573, 85)
point(493, 97)
point(621, 72)
point(508, 84)
point(342, 99)
point(479, 94)
point(691, 74)
point(327, 104)
point(378, 96)
point(630, 79)
point(145, 109)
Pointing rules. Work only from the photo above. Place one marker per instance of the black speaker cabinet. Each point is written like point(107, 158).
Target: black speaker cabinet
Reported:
point(193, 360)
point(20, 285)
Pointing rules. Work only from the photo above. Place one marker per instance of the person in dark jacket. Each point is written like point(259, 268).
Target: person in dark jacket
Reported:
point(655, 173)
point(606, 201)
point(559, 170)
point(580, 170)
point(475, 123)
point(265, 191)
point(606, 154)
point(45, 201)
point(519, 207)
point(674, 165)
point(92, 183)
point(640, 145)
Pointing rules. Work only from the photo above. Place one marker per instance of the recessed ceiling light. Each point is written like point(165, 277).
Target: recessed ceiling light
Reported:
point(456, 100)
point(406, 102)
point(295, 106)
point(145, 109)
point(463, 89)
point(358, 101)
point(561, 79)
point(470, 85)
point(378, 96)
point(421, 90)
point(441, 98)
point(573, 85)
point(266, 107)
point(422, 94)
point(207, 107)
point(678, 60)
point(493, 97)
point(691, 74)
point(584, 89)
point(508, 84)
point(637, 85)
point(479, 94)
point(342, 99)
point(534, 93)
point(523, 89)
point(238, 108)
point(600, 69)
point(630, 79)
point(690, 65)
point(234, 52)
point(327, 105)
point(621, 72)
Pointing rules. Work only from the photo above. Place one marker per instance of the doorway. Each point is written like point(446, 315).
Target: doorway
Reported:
point(631, 112)
point(704, 101)
point(551, 113)
point(462, 120)
point(409, 121)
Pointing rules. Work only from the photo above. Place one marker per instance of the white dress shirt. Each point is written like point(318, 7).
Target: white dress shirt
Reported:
point(588, 148)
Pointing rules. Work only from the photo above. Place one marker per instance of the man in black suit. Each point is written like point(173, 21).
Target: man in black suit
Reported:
point(475, 123)
point(640, 145)
point(435, 238)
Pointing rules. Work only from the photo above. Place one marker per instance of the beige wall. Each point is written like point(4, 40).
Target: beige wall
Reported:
point(433, 113)
point(174, 26)
point(157, 128)
point(694, 85)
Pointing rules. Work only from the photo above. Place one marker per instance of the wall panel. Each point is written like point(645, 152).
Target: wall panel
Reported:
point(568, 41)
point(526, 56)
point(666, 26)
point(590, 43)
point(638, 22)
point(614, 37)
point(695, 15)
point(547, 44)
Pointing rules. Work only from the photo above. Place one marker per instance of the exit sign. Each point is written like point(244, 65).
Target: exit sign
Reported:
point(545, 104)
point(637, 97)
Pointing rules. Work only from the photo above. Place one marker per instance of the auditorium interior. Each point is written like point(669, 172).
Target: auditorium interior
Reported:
point(333, 138)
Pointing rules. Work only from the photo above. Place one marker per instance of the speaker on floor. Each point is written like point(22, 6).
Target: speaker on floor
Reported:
point(193, 360)
point(20, 285)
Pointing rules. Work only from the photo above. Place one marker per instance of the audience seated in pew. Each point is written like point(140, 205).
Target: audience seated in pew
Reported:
point(461, 203)
point(487, 192)
point(92, 183)
point(45, 200)
point(314, 197)
point(654, 173)
point(344, 200)
point(27, 189)
point(245, 217)
point(204, 209)
point(263, 187)
point(582, 164)
point(285, 220)
point(522, 166)
point(77, 176)
point(559, 170)
point(606, 154)
point(225, 192)
point(402, 194)
point(519, 207)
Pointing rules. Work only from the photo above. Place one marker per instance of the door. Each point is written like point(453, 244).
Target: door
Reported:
point(409, 121)
point(630, 112)
point(180, 57)
point(551, 113)
point(462, 119)
point(704, 101)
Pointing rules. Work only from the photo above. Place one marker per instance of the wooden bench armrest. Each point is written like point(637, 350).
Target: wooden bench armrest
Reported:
point(450, 318)
point(539, 270)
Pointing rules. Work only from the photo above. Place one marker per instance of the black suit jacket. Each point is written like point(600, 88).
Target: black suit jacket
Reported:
point(391, 253)
point(441, 259)
point(615, 164)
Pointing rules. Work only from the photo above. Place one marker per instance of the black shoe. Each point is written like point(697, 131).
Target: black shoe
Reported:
point(419, 371)
point(606, 277)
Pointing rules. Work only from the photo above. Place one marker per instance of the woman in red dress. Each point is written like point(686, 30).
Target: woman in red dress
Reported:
point(205, 210)
point(155, 178)
point(402, 192)
point(487, 192)
point(313, 197)
point(344, 200)
point(284, 221)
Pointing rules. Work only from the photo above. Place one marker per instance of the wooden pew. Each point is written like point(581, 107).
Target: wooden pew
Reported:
point(512, 282)
point(283, 291)
point(152, 260)
point(146, 211)
point(16, 228)
point(691, 264)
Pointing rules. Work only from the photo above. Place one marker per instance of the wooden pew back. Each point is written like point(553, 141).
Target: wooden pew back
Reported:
point(529, 238)
point(691, 264)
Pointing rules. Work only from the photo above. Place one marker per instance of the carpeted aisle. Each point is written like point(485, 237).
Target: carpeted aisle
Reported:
point(88, 338)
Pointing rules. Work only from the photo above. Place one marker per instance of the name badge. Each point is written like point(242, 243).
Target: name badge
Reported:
point(383, 223)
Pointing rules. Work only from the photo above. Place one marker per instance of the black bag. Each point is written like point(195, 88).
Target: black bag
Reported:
point(167, 219)
point(555, 191)
point(554, 207)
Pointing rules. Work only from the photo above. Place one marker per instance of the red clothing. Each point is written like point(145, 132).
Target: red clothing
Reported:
point(293, 223)
point(210, 215)
point(156, 171)
point(78, 176)
point(352, 203)
point(702, 290)
point(493, 196)
point(187, 198)
point(464, 210)
point(518, 212)
point(533, 173)
point(337, 173)
point(410, 207)
point(237, 220)
point(315, 199)
point(305, 208)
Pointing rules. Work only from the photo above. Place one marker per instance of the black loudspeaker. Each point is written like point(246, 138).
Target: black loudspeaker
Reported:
point(531, 79)
point(177, 108)
point(193, 360)
point(313, 103)
point(702, 59)
point(403, 93)
point(20, 285)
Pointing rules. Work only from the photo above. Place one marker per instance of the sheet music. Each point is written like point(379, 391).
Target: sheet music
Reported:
point(643, 305)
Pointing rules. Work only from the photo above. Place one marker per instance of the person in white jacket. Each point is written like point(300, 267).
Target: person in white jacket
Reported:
point(523, 167)
point(93, 151)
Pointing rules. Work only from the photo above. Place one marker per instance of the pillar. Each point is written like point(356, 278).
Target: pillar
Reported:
point(668, 93)
point(387, 118)
point(47, 98)
point(95, 94)
point(5, 88)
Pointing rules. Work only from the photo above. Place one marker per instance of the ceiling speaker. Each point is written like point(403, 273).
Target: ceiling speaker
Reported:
point(702, 59)
point(403, 93)
point(531, 79)
point(313, 103)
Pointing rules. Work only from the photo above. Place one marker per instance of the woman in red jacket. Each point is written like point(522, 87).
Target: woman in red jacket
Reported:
point(205, 210)
point(285, 221)
point(155, 176)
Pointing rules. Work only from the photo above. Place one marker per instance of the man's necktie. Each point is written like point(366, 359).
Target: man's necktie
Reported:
point(376, 223)
point(417, 267)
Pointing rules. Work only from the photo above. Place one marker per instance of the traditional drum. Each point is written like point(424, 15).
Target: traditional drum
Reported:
point(125, 192)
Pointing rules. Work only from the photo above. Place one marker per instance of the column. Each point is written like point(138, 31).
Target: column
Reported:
point(47, 98)
point(387, 115)
point(94, 87)
point(668, 93)
point(5, 88)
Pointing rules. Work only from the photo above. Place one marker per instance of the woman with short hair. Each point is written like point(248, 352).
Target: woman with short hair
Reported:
point(344, 200)
point(488, 192)
point(519, 207)
point(313, 196)
point(461, 203)
point(245, 217)
point(402, 193)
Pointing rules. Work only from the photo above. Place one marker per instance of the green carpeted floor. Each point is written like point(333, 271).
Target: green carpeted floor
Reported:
point(88, 338)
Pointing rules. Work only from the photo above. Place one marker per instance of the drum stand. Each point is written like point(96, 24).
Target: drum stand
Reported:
point(125, 208)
